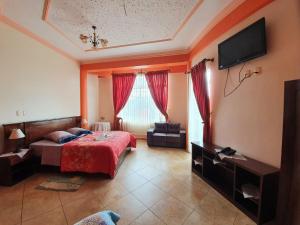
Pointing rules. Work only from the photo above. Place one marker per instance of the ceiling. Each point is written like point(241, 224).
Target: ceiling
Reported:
point(132, 27)
point(123, 22)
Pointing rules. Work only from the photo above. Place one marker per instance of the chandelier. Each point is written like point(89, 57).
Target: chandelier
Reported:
point(94, 39)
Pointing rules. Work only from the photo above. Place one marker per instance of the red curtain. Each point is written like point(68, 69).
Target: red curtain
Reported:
point(122, 87)
point(200, 90)
point(158, 85)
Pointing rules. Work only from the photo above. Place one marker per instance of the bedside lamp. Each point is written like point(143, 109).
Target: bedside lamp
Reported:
point(16, 134)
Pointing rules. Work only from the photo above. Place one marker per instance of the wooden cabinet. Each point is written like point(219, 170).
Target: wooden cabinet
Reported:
point(288, 212)
point(14, 169)
point(229, 176)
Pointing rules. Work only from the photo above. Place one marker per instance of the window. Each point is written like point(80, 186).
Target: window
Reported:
point(140, 111)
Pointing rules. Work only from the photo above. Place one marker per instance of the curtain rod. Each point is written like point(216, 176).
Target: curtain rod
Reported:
point(145, 71)
point(203, 60)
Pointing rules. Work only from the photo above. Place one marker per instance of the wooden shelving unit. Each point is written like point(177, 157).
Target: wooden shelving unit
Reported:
point(229, 176)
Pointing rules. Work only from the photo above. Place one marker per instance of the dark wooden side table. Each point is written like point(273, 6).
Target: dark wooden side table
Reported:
point(14, 169)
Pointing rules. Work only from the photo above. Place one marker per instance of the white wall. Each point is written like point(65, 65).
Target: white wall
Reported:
point(36, 80)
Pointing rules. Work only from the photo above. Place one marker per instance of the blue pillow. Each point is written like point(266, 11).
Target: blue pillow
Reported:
point(66, 139)
point(101, 218)
point(79, 131)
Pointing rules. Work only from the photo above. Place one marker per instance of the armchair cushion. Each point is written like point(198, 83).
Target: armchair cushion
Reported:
point(161, 128)
point(174, 128)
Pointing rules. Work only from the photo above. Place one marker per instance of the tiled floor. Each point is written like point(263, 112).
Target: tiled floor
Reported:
point(154, 186)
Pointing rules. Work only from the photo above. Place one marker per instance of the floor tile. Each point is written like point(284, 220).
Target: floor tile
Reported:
point(171, 211)
point(85, 191)
point(11, 204)
point(190, 194)
point(149, 194)
point(128, 207)
point(55, 217)
point(148, 172)
point(123, 172)
point(134, 165)
point(32, 182)
point(39, 203)
point(242, 219)
point(81, 208)
point(165, 182)
point(133, 181)
point(148, 218)
point(197, 219)
point(110, 191)
point(10, 215)
point(214, 206)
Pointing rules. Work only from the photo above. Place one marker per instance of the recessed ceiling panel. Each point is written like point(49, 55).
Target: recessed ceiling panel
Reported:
point(121, 22)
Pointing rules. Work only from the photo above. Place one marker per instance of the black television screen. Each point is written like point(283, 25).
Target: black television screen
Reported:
point(248, 44)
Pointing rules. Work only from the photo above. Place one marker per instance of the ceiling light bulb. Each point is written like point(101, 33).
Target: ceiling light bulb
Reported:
point(83, 38)
point(104, 42)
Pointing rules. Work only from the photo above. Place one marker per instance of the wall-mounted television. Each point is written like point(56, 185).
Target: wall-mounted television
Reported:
point(247, 44)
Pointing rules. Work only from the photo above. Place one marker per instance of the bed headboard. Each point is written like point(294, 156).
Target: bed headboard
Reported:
point(36, 130)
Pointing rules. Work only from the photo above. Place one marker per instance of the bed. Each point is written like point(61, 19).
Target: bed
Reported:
point(48, 151)
point(99, 152)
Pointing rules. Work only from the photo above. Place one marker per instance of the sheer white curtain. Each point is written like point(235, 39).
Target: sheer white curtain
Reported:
point(195, 121)
point(140, 111)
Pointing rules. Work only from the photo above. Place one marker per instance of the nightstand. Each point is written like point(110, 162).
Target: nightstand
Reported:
point(14, 169)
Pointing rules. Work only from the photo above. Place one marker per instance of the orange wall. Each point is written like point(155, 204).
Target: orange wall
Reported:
point(250, 120)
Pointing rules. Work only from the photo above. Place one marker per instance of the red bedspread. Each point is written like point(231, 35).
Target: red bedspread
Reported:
point(96, 153)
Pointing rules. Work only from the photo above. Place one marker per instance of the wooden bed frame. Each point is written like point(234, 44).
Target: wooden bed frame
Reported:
point(36, 130)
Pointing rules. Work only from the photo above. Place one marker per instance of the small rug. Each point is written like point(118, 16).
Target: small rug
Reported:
point(62, 183)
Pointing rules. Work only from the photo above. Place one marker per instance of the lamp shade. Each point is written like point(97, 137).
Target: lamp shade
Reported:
point(16, 134)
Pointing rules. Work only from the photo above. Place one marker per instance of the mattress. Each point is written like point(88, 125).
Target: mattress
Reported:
point(49, 151)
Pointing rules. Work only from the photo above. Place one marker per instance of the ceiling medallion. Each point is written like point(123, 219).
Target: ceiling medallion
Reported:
point(94, 39)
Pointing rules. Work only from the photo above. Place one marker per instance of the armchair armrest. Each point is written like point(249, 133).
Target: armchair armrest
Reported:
point(182, 133)
point(150, 133)
point(151, 130)
point(182, 138)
